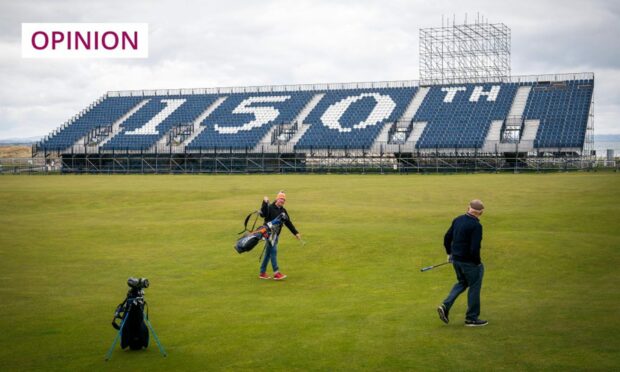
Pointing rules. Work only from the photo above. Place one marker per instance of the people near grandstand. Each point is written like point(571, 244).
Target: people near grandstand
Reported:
point(462, 243)
point(270, 212)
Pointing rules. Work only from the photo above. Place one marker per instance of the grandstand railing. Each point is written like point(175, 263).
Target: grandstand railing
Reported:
point(73, 118)
point(317, 162)
point(352, 85)
point(497, 147)
point(321, 163)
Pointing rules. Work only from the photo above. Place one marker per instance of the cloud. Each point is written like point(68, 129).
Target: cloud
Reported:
point(197, 44)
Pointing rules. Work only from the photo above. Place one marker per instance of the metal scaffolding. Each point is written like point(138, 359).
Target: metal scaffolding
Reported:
point(464, 53)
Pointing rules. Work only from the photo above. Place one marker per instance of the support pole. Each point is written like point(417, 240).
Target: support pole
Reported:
point(159, 345)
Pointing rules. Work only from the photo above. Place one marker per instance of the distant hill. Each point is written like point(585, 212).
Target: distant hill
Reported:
point(19, 141)
point(607, 138)
point(15, 151)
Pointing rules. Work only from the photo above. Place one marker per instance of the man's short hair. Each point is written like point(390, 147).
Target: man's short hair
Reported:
point(476, 204)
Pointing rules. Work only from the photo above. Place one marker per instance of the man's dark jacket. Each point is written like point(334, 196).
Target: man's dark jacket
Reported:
point(463, 238)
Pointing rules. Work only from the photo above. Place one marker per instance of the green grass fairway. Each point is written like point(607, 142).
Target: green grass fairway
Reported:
point(355, 298)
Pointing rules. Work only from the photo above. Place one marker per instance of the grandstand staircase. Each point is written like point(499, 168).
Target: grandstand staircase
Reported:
point(493, 137)
point(390, 137)
point(116, 126)
point(415, 104)
point(196, 129)
point(98, 134)
point(281, 134)
point(509, 135)
point(520, 100)
point(381, 142)
point(530, 129)
point(416, 133)
point(178, 134)
point(270, 144)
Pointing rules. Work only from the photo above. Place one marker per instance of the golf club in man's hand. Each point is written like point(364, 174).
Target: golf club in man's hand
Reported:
point(434, 266)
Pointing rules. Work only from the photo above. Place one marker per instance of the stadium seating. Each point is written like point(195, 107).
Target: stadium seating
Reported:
point(243, 119)
point(153, 120)
point(454, 117)
point(102, 114)
point(353, 118)
point(459, 116)
point(563, 110)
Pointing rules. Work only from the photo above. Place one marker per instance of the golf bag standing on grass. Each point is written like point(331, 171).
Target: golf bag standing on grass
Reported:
point(132, 329)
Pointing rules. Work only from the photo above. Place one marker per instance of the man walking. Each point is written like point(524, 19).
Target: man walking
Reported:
point(462, 243)
point(270, 212)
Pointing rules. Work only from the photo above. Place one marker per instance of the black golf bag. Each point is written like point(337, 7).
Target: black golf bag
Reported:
point(130, 313)
point(265, 232)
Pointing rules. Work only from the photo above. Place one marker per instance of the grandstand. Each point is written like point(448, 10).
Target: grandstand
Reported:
point(539, 116)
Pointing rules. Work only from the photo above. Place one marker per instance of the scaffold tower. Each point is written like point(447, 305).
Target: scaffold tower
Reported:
point(461, 53)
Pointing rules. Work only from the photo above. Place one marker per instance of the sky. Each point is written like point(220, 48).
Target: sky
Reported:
point(200, 44)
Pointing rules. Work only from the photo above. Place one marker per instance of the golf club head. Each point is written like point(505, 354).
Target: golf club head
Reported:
point(426, 268)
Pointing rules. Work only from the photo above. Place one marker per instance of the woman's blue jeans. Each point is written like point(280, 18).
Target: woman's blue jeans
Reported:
point(271, 254)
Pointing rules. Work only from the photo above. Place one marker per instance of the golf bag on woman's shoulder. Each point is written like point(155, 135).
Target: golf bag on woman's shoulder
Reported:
point(265, 232)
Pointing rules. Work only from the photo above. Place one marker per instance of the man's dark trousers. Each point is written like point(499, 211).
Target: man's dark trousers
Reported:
point(468, 275)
